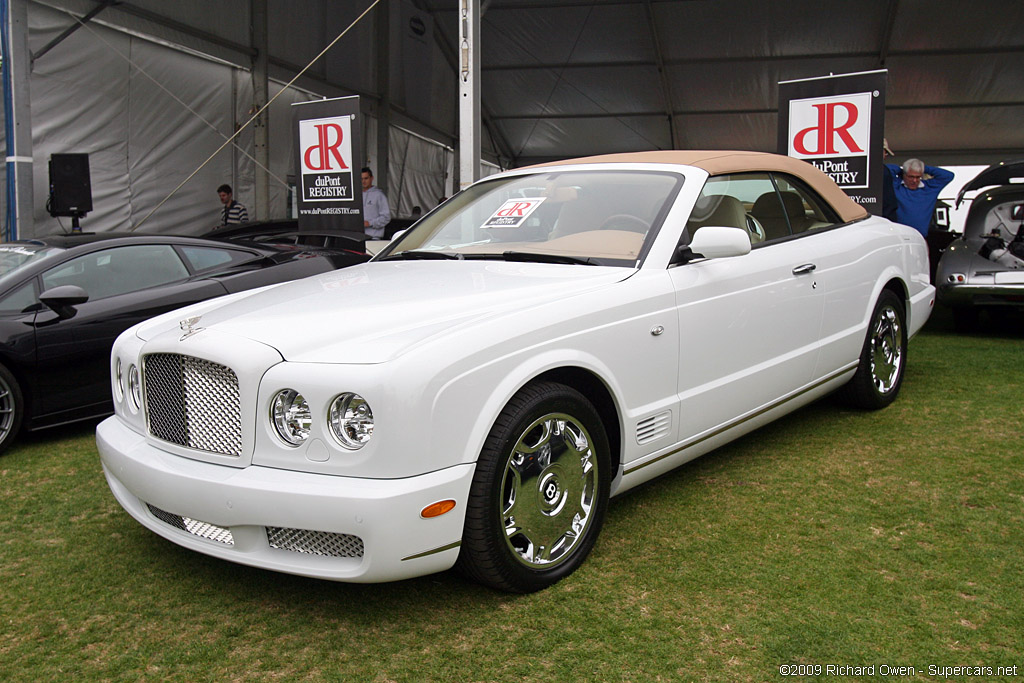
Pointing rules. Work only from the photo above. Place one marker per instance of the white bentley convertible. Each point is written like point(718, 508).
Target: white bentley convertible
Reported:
point(544, 340)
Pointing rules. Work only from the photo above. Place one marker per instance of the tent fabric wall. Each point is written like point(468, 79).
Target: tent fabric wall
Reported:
point(80, 104)
point(88, 97)
point(416, 171)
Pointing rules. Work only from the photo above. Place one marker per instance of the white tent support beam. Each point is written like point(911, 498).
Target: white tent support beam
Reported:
point(890, 22)
point(382, 25)
point(762, 59)
point(934, 106)
point(666, 88)
point(497, 139)
point(71, 29)
point(469, 92)
point(126, 17)
point(260, 94)
point(18, 62)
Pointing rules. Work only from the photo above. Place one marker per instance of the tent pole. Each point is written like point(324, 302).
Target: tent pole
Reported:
point(382, 22)
point(469, 92)
point(260, 94)
point(18, 119)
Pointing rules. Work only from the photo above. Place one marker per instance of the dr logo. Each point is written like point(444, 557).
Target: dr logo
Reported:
point(835, 126)
point(329, 138)
point(827, 131)
point(513, 212)
point(326, 145)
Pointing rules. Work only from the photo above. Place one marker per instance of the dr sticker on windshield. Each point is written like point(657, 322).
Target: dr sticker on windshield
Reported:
point(513, 213)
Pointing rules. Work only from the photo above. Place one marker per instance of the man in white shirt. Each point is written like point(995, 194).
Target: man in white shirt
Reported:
point(376, 213)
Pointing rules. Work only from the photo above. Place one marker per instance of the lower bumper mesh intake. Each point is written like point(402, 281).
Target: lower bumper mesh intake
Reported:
point(322, 543)
point(315, 542)
point(211, 532)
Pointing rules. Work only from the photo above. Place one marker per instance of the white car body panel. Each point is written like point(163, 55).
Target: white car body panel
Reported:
point(690, 355)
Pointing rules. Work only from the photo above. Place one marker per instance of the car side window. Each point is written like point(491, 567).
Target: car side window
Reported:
point(119, 270)
point(204, 258)
point(729, 201)
point(20, 300)
point(805, 210)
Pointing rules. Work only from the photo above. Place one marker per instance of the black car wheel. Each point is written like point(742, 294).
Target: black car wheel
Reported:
point(883, 357)
point(12, 408)
point(539, 493)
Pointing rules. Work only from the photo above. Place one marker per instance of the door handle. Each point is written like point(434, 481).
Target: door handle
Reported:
point(804, 269)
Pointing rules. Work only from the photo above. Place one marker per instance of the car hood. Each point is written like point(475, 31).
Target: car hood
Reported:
point(374, 312)
point(996, 174)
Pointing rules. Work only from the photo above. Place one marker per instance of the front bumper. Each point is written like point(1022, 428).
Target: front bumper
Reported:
point(243, 505)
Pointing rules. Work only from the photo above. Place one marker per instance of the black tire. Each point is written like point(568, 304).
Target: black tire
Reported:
point(883, 358)
point(540, 491)
point(12, 408)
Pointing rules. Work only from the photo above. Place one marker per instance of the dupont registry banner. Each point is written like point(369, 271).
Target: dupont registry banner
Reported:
point(327, 142)
point(837, 123)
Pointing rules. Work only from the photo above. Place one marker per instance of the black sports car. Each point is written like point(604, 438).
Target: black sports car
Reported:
point(64, 299)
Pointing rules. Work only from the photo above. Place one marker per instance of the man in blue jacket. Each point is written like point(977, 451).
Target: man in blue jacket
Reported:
point(915, 202)
point(916, 195)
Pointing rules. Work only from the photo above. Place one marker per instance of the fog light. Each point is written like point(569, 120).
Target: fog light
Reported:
point(351, 421)
point(134, 389)
point(291, 416)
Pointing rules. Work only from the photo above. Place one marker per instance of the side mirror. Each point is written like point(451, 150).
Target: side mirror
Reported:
point(63, 299)
point(713, 241)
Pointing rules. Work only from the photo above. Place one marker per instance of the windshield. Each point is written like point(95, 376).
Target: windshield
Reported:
point(14, 257)
point(593, 217)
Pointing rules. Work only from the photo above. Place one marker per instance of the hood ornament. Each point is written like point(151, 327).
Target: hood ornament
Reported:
point(188, 325)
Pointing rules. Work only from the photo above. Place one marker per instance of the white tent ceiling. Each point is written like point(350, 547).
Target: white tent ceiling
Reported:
point(559, 78)
point(574, 77)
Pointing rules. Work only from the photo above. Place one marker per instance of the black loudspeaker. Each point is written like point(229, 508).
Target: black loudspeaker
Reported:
point(70, 190)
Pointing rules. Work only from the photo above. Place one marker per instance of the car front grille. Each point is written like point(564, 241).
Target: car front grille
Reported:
point(193, 403)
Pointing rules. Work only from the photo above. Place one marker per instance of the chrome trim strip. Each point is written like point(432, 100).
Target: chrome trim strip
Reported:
point(456, 544)
point(739, 421)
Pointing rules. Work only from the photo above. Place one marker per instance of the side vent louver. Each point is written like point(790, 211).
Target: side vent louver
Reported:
point(652, 428)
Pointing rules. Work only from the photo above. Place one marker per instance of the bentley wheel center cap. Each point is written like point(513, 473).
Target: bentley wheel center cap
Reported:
point(551, 493)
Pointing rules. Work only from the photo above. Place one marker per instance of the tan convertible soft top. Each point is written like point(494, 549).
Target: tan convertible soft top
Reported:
point(732, 161)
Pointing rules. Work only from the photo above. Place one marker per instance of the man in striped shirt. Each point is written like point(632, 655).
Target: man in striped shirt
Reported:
point(233, 212)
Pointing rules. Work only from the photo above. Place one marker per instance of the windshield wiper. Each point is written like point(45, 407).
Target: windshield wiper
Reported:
point(414, 254)
point(532, 257)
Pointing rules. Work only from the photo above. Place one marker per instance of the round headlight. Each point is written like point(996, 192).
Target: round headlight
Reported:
point(134, 388)
point(351, 421)
point(118, 380)
point(291, 417)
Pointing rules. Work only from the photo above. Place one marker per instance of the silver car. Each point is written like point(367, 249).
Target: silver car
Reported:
point(984, 269)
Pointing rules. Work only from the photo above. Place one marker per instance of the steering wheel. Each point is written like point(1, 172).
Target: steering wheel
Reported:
point(625, 221)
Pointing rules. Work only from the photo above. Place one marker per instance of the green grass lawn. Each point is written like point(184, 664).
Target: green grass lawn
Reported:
point(831, 537)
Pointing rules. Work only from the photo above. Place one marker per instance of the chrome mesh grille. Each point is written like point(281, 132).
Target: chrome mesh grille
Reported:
point(210, 532)
point(315, 542)
point(192, 402)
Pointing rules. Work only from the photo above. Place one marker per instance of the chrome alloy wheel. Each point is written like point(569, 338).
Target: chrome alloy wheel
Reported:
point(548, 490)
point(886, 350)
point(7, 409)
